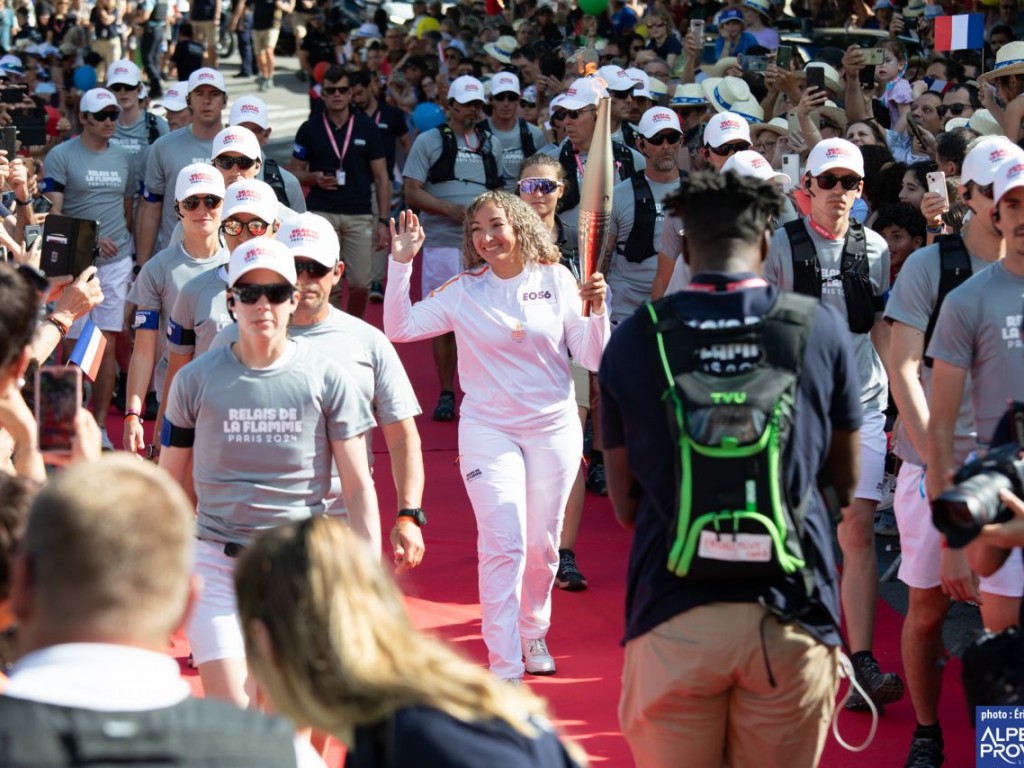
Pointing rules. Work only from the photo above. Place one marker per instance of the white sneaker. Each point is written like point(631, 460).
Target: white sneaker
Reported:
point(538, 660)
point(105, 440)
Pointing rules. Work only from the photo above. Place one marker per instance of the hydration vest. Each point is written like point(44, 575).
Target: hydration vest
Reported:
point(623, 158)
point(525, 137)
point(956, 268)
point(152, 128)
point(195, 733)
point(732, 422)
point(272, 176)
point(568, 248)
point(444, 168)
point(855, 273)
point(640, 243)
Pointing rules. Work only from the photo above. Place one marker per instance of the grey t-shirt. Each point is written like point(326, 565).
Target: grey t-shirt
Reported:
point(630, 282)
point(366, 354)
point(778, 269)
point(262, 438)
point(512, 149)
point(167, 156)
point(158, 285)
point(572, 216)
point(979, 330)
point(913, 296)
point(95, 186)
point(199, 312)
point(469, 182)
point(135, 137)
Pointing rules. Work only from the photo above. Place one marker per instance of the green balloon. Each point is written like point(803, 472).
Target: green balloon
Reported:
point(593, 7)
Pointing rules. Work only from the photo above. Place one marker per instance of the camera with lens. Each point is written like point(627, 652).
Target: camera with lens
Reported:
point(973, 502)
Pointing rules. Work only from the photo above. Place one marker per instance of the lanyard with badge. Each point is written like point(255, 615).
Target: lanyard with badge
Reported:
point(340, 172)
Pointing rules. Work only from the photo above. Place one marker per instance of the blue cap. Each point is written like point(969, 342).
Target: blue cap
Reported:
point(730, 14)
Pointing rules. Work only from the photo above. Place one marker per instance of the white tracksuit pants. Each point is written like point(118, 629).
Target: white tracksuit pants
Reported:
point(518, 481)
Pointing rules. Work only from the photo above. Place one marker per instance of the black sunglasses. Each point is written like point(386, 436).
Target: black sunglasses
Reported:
point(659, 139)
point(316, 269)
point(828, 181)
point(210, 201)
point(574, 114)
point(985, 190)
point(507, 96)
point(276, 293)
point(955, 109)
point(227, 163)
point(557, 115)
point(527, 104)
point(121, 87)
point(330, 90)
point(256, 227)
point(626, 94)
point(728, 149)
point(101, 116)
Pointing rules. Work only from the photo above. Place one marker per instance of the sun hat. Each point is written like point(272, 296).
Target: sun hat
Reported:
point(725, 91)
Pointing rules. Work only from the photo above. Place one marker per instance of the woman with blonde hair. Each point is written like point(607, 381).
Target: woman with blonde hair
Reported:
point(329, 639)
point(516, 314)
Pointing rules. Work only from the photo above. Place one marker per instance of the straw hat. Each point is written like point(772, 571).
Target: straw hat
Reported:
point(720, 67)
point(749, 110)
point(833, 113)
point(723, 92)
point(1009, 61)
point(914, 8)
point(982, 122)
point(956, 122)
point(688, 95)
point(832, 81)
point(779, 125)
point(764, 7)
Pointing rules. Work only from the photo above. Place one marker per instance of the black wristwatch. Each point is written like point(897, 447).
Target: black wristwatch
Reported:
point(382, 220)
point(416, 514)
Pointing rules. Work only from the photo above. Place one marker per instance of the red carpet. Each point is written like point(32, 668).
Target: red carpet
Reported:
point(587, 626)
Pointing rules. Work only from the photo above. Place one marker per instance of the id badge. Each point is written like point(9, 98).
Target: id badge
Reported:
point(340, 176)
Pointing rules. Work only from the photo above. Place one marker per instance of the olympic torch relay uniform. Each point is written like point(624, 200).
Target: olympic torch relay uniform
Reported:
point(519, 434)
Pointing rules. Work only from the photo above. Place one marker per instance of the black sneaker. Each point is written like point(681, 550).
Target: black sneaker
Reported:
point(882, 687)
point(569, 577)
point(376, 292)
point(151, 408)
point(445, 408)
point(925, 753)
point(596, 482)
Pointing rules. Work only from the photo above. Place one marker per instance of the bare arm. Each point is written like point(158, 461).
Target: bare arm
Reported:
point(947, 392)
point(620, 485)
point(57, 198)
point(403, 440)
point(666, 266)
point(147, 225)
point(357, 489)
point(140, 371)
point(906, 348)
point(843, 464)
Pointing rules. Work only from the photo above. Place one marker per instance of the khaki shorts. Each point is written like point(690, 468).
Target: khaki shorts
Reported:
point(206, 32)
point(300, 21)
point(355, 232)
point(263, 39)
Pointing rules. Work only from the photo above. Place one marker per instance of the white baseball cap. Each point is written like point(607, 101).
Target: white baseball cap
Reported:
point(835, 153)
point(1009, 175)
point(466, 89)
point(236, 139)
point(251, 196)
point(656, 120)
point(641, 83)
point(249, 109)
point(262, 253)
point(751, 163)
point(726, 127)
point(198, 179)
point(124, 72)
point(504, 82)
point(206, 76)
point(311, 236)
point(616, 78)
point(173, 99)
point(987, 154)
point(584, 92)
point(98, 99)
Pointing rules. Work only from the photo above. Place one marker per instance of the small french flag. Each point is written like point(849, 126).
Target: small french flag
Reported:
point(964, 32)
point(88, 351)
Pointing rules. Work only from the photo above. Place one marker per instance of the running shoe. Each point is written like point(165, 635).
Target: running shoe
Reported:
point(596, 482)
point(105, 443)
point(882, 687)
point(569, 577)
point(376, 292)
point(538, 660)
point(925, 753)
point(885, 523)
point(445, 408)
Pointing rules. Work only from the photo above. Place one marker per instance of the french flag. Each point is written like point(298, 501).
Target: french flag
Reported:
point(964, 32)
point(88, 351)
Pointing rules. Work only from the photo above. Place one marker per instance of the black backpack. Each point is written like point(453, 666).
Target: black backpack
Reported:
point(855, 273)
point(525, 137)
point(152, 127)
point(272, 176)
point(956, 268)
point(444, 168)
point(640, 243)
point(567, 157)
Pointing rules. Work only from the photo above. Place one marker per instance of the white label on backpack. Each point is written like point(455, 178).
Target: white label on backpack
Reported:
point(738, 548)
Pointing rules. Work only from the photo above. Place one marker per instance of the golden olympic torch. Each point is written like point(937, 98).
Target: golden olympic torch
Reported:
point(596, 195)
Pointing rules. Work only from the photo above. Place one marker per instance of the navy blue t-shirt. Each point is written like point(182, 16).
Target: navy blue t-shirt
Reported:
point(313, 145)
point(421, 736)
point(391, 123)
point(633, 416)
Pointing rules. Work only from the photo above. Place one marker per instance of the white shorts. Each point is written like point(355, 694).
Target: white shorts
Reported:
point(920, 542)
point(872, 457)
point(114, 277)
point(214, 631)
point(439, 266)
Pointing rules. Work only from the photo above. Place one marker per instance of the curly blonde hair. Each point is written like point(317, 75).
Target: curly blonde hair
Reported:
point(532, 237)
point(343, 651)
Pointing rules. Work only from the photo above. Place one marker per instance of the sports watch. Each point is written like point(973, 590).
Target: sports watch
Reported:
point(416, 514)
